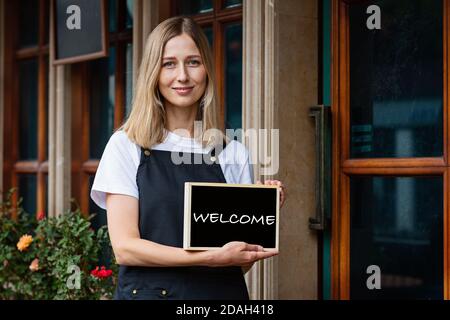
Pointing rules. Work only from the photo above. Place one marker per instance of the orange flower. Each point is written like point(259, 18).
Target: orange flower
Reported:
point(34, 266)
point(24, 242)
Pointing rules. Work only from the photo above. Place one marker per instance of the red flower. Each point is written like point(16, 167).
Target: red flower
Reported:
point(40, 215)
point(102, 273)
point(94, 272)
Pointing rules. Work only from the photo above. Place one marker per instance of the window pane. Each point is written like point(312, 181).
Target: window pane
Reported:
point(233, 75)
point(232, 3)
point(101, 103)
point(99, 220)
point(190, 7)
point(46, 106)
point(28, 109)
point(27, 191)
point(209, 34)
point(129, 14)
point(396, 80)
point(46, 195)
point(28, 23)
point(397, 225)
point(112, 11)
point(129, 77)
point(46, 21)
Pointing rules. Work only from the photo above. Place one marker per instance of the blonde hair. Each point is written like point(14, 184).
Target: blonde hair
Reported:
point(147, 120)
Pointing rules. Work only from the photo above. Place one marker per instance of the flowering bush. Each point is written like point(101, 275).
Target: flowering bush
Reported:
point(52, 258)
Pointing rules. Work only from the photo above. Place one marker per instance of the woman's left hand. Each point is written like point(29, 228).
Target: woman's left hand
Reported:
point(279, 184)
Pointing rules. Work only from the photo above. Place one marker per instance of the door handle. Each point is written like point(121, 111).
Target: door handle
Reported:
point(322, 116)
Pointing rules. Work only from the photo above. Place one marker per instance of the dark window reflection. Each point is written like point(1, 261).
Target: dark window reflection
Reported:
point(46, 21)
point(233, 75)
point(209, 34)
point(28, 23)
point(129, 78)
point(28, 98)
point(129, 14)
point(46, 195)
point(46, 106)
point(102, 97)
point(397, 224)
point(232, 3)
point(396, 80)
point(191, 7)
point(99, 220)
point(100, 214)
point(112, 15)
point(27, 191)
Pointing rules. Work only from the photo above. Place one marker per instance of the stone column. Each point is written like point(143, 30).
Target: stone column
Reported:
point(59, 135)
point(280, 84)
point(253, 101)
point(296, 90)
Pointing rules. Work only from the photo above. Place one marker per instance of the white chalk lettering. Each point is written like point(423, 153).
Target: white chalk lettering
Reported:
point(245, 217)
point(234, 218)
point(201, 217)
point(214, 217)
point(270, 220)
point(261, 218)
point(221, 220)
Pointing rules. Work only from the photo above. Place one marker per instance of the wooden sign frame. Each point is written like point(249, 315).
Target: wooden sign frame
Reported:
point(188, 214)
point(84, 57)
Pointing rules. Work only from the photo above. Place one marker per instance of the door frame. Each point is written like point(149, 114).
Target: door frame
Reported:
point(343, 167)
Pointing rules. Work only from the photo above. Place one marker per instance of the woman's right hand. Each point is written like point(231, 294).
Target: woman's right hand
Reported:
point(237, 253)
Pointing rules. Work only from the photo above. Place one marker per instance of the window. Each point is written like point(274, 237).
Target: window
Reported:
point(26, 102)
point(222, 22)
point(101, 93)
point(391, 149)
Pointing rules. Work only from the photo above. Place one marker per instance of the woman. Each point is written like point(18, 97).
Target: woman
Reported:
point(141, 186)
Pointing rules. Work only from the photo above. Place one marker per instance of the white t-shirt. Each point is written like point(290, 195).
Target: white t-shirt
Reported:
point(118, 166)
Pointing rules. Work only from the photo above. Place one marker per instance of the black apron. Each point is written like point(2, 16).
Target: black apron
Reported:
point(161, 206)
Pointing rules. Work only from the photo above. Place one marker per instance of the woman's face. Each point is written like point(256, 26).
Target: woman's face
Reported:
point(182, 80)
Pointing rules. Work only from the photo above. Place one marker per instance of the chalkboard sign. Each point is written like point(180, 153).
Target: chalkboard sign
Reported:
point(79, 30)
point(217, 213)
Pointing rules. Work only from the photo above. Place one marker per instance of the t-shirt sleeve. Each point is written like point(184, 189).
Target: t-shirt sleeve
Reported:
point(246, 175)
point(236, 164)
point(117, 170)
